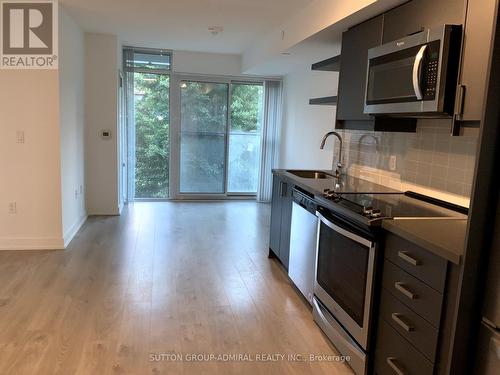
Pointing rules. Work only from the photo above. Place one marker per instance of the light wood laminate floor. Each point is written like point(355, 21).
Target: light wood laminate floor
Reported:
point(163, 278)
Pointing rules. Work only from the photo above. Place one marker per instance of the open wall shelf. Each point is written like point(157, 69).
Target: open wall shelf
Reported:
point(329, 65)
point(327, 100)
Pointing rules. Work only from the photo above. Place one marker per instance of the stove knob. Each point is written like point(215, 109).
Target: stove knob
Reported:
point(376, 214)
point(367, 211)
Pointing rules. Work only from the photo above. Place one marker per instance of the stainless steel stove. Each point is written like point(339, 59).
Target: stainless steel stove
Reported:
point(347, 251)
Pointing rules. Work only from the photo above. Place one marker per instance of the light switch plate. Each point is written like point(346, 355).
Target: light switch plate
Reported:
point(20, 136)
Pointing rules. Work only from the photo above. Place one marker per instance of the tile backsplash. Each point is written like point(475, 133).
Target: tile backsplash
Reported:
point(429, 161)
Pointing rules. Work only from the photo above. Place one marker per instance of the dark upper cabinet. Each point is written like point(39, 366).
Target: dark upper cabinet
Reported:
point(281, 219)
point(478, 37)
point(352, 79)
point(417, 15)
point(477, 18)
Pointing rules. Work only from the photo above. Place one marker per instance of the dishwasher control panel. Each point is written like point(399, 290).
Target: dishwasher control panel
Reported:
point(304, 200)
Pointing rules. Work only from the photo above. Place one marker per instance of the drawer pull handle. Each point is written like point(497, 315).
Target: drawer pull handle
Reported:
point(400, 287)
point(404, 255)
point(392, 364)
point(397, 318)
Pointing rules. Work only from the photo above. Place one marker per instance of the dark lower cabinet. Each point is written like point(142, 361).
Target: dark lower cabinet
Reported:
point(416, 309)
point(281, 219)
point(396, 356)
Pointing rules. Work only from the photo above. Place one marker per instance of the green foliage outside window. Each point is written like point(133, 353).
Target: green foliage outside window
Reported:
point(151, 97)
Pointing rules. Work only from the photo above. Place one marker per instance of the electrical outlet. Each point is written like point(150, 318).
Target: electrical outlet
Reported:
point(392, 162)
point(20, 136)
point(12, 208)
point(81, 189)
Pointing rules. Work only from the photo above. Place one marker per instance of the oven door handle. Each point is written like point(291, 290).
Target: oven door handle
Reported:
point(417, 69)
point(343, 232)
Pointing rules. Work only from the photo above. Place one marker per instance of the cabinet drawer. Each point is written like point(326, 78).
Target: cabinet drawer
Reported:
point(417, 261)
point(416, 295)
point(395, 356)
point(409, 325)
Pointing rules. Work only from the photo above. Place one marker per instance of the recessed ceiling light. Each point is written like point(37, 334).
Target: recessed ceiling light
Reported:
point(215, 30)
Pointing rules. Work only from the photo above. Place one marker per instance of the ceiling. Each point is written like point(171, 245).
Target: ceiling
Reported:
point(183, 24)
point(320, 46)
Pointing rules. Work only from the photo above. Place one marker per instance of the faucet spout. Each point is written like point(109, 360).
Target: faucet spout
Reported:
point(339, 160)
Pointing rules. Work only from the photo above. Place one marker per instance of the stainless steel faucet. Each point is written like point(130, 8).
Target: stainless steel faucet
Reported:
point(338, 170)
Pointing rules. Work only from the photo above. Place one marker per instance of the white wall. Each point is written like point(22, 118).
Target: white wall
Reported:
point(304, 125)
point(101, 103)
point(30, 172)
point(72, 105)
point(206, 63)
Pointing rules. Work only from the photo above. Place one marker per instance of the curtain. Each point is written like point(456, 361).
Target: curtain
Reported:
point(271, 134)
point(128, 58)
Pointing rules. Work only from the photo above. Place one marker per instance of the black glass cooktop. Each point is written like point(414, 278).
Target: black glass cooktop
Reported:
point(405, 205)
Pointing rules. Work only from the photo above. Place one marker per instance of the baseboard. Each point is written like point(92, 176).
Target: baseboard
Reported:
point(70, 234)
point(99, 212)
point(7, 244)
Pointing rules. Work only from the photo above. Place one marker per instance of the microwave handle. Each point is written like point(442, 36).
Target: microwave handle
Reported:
point(417, 66)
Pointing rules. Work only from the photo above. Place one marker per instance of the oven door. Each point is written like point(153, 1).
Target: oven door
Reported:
point(345, 274)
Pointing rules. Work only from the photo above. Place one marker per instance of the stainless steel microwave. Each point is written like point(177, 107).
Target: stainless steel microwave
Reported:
point(416, 75)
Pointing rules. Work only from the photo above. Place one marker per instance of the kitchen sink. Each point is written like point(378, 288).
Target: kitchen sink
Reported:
point(317, 175)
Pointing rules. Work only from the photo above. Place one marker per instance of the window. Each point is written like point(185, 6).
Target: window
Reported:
point(148, 91)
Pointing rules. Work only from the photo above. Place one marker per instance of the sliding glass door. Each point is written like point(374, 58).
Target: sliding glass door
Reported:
point(220, 131)
point(203, 137)
point(244, 138)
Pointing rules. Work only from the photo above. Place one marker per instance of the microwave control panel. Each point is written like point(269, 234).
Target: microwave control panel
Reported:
point(430, 77)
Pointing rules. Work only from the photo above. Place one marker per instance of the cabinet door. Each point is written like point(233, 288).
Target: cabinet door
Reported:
point(276, 204)
point(479, 28)
point(418, 15)
point(286, 224)
point(352, 79)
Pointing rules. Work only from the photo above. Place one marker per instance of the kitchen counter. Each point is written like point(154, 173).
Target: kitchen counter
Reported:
point(348, 184)
point(443, 237)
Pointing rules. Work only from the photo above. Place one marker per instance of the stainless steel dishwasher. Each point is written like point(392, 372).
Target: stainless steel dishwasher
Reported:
point(303, 239)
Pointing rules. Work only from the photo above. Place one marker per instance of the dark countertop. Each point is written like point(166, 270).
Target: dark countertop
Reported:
point(349, 184)
point(443, 237)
